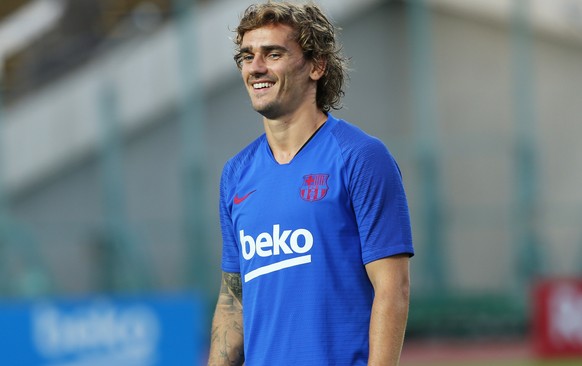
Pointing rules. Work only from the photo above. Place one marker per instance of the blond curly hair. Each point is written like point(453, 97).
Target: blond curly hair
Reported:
point(316, 36)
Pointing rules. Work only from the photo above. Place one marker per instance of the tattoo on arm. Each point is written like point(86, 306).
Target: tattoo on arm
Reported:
point(233, 284)
point(227, 329)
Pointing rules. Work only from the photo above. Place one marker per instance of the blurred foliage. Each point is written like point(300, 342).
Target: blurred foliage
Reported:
point(9, 6)
point(466, 316)
point(85, 26)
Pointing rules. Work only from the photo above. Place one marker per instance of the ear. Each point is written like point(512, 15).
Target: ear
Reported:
point(318, 67)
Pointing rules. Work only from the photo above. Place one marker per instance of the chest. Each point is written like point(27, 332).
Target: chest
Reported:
point(296, 194)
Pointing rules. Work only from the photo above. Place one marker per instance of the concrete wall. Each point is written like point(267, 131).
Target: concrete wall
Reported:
point(474, 89)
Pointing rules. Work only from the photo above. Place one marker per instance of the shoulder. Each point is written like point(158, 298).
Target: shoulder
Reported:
point(234, 165)
point(357, 145)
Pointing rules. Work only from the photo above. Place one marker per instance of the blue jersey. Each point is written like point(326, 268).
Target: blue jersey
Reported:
point(300, 234)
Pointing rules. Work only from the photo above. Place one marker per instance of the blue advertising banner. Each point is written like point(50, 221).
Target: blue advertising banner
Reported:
point(164, 330)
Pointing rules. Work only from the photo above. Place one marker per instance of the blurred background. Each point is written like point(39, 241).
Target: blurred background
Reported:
point(116, 117)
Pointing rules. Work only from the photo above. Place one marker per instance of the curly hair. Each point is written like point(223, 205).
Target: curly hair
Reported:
point(316, 36)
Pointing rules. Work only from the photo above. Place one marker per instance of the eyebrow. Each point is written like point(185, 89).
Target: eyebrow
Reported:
point(265, 49)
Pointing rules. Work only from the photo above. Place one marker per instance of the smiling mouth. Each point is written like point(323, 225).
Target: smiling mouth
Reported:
point(258, 86)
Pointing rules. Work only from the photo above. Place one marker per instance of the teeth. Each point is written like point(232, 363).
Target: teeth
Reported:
point(262, 85)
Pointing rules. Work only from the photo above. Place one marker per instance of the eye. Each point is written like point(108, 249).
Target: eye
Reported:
point(274, 56)
point(246, 57)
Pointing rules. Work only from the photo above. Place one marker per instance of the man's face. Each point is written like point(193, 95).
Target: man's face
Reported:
point(278, 78)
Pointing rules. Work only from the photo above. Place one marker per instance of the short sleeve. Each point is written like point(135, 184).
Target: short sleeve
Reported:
point(230, 252)
point(379, 202)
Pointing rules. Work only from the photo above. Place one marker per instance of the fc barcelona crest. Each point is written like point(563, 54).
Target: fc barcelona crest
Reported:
point(314, 187)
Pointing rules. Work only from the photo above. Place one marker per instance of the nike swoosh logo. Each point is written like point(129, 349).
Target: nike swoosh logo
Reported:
point(238, 199)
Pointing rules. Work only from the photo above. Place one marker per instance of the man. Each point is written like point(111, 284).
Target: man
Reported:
point(315, 223)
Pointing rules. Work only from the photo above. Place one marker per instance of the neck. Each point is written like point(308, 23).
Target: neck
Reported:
point(287, 135)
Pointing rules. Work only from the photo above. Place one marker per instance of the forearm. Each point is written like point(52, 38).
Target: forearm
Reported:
point(226, 343)
point(387, 327)
point(226, 339)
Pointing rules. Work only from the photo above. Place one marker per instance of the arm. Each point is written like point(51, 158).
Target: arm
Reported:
point(226, 343)
point(390, 279)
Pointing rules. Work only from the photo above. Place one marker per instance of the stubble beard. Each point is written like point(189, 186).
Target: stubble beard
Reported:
point(270, 110)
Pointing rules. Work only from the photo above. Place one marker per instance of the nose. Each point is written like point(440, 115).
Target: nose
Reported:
point(258, 65)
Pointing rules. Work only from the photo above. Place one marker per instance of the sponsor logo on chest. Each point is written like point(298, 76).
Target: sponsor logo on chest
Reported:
point(278, 243)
